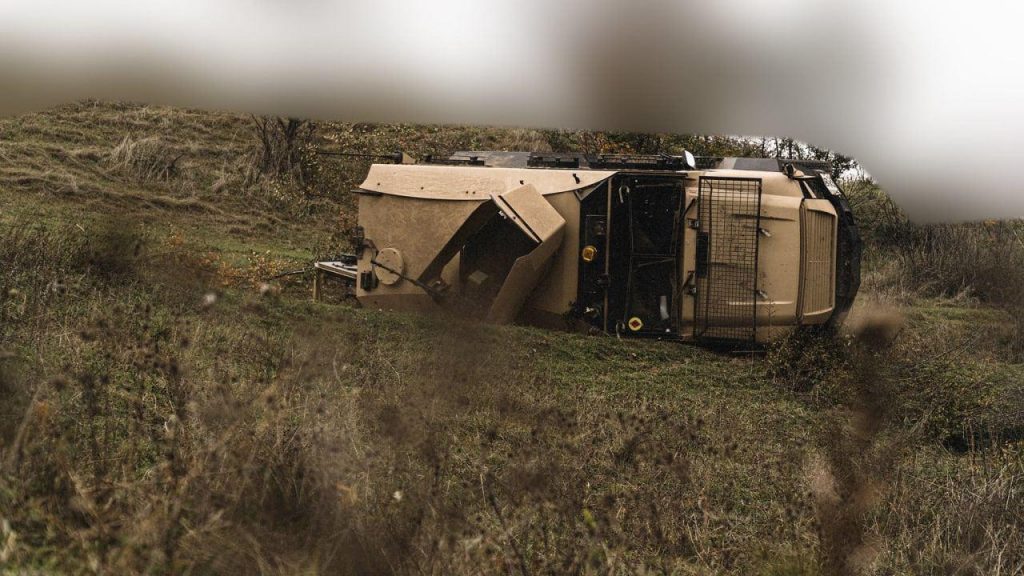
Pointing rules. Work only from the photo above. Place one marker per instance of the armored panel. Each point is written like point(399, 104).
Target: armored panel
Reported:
point(729, 213)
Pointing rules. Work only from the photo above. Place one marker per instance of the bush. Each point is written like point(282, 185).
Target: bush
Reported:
point(809, 360)
point(142, 160)
point(985, 260)
point(982, 260)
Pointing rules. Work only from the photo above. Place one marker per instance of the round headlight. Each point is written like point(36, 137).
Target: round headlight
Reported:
point(588, 254)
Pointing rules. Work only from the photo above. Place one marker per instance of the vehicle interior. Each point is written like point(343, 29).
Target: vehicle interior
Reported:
point(641, 273)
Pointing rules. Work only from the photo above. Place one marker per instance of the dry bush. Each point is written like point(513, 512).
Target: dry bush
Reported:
point(985, 260)
point(146, 159)
point(810, 361)
point(283, 169)
point(281, 151)
point(981, 260)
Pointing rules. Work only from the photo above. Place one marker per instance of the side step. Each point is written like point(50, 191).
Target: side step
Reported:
point(345, 271)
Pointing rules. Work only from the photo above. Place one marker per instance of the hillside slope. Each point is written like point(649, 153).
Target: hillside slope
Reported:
point(168, 408)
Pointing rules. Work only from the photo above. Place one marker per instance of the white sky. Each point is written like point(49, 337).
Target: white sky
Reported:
point(928, 95)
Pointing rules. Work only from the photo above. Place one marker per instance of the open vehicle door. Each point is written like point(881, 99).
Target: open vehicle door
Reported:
point(504, 248)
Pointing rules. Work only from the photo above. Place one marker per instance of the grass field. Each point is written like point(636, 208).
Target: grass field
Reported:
point(166, 408)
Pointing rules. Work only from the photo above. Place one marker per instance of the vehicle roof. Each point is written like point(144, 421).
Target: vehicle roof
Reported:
point(480, 183)
point(439, 182)
point(513, 159)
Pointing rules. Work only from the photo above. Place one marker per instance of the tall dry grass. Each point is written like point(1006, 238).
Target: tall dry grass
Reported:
point(146, 159)
point(962, 520)
point(979, 260)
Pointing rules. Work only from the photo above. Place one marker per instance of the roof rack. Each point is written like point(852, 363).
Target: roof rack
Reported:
point(454, 160)
point(707, 162)
point(546, 160)
point(637, 161)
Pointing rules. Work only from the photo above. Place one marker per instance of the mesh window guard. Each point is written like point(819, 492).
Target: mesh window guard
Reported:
point(729, 212)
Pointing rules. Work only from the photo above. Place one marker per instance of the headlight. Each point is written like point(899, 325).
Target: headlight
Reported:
point(588, 254)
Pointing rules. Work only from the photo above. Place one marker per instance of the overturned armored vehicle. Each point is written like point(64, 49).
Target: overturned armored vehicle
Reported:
point(705, 249)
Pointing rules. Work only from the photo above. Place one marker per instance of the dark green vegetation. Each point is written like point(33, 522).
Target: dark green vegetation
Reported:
point(164, 409)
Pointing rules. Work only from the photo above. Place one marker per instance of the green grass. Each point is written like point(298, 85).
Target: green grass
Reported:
point(145, 429)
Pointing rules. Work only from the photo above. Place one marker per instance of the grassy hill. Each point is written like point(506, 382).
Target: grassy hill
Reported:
point(167, 408)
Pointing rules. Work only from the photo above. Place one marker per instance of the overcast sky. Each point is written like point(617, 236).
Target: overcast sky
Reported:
point(929, 96)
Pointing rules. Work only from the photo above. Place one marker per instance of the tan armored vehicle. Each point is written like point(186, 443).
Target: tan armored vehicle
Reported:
point(676, 247)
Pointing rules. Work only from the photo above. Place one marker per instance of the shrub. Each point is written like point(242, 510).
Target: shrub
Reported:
point(983, 260)
point(146, 159)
